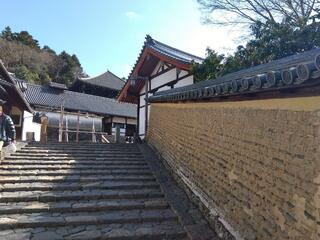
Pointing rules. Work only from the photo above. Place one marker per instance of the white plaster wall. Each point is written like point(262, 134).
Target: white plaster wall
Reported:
point(132, 121)
point(142, 101)
point(29, 126)
point(142, 121)
point(184, 82)
point(123, 120)
point(157, 67)
point(119, 119)
point(143, 89)
point(163, 78)
point(156, 82)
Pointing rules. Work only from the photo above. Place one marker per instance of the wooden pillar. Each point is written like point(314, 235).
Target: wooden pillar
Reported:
point(44, 126)
point(61, 125)
point(78, 126)
point(146, 107)
point(93, 131)
point(66, 130)
point(138, 118)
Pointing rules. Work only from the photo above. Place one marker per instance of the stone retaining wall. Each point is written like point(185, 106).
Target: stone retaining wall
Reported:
point(255, 164)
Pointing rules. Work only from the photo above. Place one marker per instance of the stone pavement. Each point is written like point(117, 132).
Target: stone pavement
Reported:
point(92, 191)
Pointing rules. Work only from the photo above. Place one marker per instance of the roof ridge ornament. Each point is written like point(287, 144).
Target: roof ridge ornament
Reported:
point(149, 40)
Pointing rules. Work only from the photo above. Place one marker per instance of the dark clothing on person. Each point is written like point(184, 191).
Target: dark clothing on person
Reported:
point(7, 129)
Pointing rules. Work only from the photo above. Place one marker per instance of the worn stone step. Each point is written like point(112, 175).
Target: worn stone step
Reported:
point(82, 206)
point(75, 162)
point(73, 172)
point(87, 154)
point(86, 160)
point(26, 157)
point(32, 220)
point(70, 167)
point(169, 230)
point(76, 147)
point(76, 178)
point(47, 196)
point(80, 146)
point(82, 143)
point(12, 187)
point(76, 150)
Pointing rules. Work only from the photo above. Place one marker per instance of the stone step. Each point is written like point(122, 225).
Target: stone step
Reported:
point(33, 220)
point(26, 157)
point(83, 206)
point(82, 143)
point(49, 196)
point(87, 154)
point(169, 230)
point(75, 162)
point(105, 185)
point(75, 178)
point(99, 160)
point(106, 147)
point(74, 172)
point(76, 149)
point(70, 167)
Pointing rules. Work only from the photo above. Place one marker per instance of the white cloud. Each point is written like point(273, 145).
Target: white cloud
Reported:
point(132, 15)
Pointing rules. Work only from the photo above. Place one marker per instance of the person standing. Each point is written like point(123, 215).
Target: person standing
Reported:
point(7, 129)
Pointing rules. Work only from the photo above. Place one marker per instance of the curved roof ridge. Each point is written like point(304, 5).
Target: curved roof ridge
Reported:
point(106, 79)
point(178, 50)
point(95, 76)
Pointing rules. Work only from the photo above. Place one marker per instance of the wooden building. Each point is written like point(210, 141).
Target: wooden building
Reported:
point(159, 67)
point(90, 111)
point(105, 85)
point(16, 105)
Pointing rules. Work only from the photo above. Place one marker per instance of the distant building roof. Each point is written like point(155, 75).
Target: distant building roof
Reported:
point(106, 80)
point(52, 97)
point(58, 85)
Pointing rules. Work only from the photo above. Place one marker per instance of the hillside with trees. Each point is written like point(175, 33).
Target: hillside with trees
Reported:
point(24, 57)
point(278, 28)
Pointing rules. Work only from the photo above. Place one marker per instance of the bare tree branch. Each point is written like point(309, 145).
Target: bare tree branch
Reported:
point(297, 12)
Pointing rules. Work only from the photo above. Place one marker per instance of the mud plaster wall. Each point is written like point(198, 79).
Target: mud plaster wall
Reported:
point(254, 163)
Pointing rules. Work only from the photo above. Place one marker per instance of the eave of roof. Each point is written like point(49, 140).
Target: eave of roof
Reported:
point(11, 81)
point(106, 80)
point(176, 57)
point(46, 96)
point(297, 71)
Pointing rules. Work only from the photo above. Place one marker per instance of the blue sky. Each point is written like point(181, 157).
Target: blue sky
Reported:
point(107, 34)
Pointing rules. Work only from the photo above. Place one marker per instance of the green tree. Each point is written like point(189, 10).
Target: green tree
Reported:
point(210, 68)
point(23, 56)
point(7, 34)
point(295, 29)
point(22, 72)
point(25, 38)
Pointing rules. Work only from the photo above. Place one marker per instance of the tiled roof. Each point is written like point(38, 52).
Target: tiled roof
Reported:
point(297, 71)
point(58, 85)
point(176, 57)
point(106, 80)
point(52, 97)
point(171, 52)
point(8, 85)
point(167, 51)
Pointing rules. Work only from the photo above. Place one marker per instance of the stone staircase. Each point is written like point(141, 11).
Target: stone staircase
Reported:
point(83, 191)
